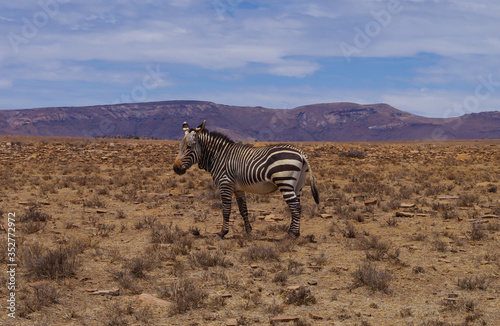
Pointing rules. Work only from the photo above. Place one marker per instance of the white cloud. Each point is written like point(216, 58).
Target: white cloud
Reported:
point(286, 39)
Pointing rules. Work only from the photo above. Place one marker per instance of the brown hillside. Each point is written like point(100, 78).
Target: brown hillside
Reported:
point(317, 122)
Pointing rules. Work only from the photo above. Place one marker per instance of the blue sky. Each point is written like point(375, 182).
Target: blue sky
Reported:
point(437, 58)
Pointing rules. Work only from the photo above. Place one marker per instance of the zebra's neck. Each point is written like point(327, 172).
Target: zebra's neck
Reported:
point(213, 147)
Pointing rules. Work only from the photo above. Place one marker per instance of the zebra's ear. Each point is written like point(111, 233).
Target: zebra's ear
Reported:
point(185, 127)
point(201, 127)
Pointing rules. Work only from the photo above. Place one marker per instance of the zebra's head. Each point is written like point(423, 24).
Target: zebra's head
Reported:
point(189, 148)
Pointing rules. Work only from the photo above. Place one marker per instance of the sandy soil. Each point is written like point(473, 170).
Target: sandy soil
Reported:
point(405, 234)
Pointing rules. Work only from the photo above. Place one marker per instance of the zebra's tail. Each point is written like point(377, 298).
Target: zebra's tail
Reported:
point(314, 190)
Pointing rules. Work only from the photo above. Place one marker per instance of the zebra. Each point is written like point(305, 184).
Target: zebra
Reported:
point(239, 168)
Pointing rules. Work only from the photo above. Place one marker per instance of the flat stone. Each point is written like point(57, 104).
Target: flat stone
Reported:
point(283, 319)
point(113, 291)
point(148, 298)
point(232, 322)
point(101, 211)
point(490, 216)
point(39, 284)
point(312, 282)
point(315, 316)
point(448, 197)
point(371, 201)
point(226, 295)
point(404, 214)
point(326, 216)
point(407, 205)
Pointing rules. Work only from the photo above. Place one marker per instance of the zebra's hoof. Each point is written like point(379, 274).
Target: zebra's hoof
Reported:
point(292, 235)
point(220, 235)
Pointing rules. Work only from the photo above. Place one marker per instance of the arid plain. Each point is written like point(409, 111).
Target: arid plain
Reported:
point(106, 234)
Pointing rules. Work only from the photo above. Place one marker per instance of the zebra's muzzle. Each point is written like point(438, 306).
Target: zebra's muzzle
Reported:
point(179, 168)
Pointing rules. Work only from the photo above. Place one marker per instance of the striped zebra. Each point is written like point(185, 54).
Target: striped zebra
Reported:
point(238, 168)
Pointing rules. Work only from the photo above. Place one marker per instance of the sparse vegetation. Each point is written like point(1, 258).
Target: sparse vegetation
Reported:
point(404, 232)
point(300, 296)
point(373, 278)
point(54, 264)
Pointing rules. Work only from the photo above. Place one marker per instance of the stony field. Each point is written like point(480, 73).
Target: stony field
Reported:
point(107, 234)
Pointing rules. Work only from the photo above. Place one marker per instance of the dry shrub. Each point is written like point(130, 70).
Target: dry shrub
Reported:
point(94, 202)
point(161, 233)
point(477, 232)
point(43, 296)
point(450, 214)
point(33, 226)
point(374, 279)
point(139, 265)
point(349, 231)
point(34, 215)
point(468, 200)
point(117, 315)
point(207, 258)
point(51, 263)
point(467, 305)
point(300, 296)
point(472, 283)
point(185, 294)
point(374, 248)
point(261, 252)
point(126, 280)
point(281, 277)
point(440, 245)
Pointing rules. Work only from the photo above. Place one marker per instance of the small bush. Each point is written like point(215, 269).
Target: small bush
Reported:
point(43, 296)
point(374, 279)
point(186, 294)
point(472, 283)
point(51, 263)
point(33, 227)
point(300, 296)
point(34, 215)
point(349, 231)
point(139, 265)
point(161, 233)
point(281, 277)
point(477, 232)
point(126, 280)
point(374, 248)
point(261, 252)
point(94, 202)
point(468, 200)
point(206, 258)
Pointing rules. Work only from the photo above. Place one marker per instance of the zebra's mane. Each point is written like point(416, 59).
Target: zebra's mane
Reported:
point(218, 135)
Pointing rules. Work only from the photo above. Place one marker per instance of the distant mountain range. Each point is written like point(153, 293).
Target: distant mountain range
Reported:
point(316, 122)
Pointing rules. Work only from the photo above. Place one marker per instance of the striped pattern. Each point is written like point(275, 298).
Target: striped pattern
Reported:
point(237, 168)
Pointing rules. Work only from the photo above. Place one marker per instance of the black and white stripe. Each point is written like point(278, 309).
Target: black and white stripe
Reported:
point(238, 168)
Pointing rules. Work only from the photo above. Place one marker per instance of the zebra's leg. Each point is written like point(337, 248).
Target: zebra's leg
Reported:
point(226, 194)
point(296, 210)
point(293, 202)
point(242, 205)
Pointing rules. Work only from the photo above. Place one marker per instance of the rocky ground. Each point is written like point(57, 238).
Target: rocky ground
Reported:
point(107, 234)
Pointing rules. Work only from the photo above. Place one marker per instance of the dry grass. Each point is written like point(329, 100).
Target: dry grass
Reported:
point(373, 278)
point(100, 214)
